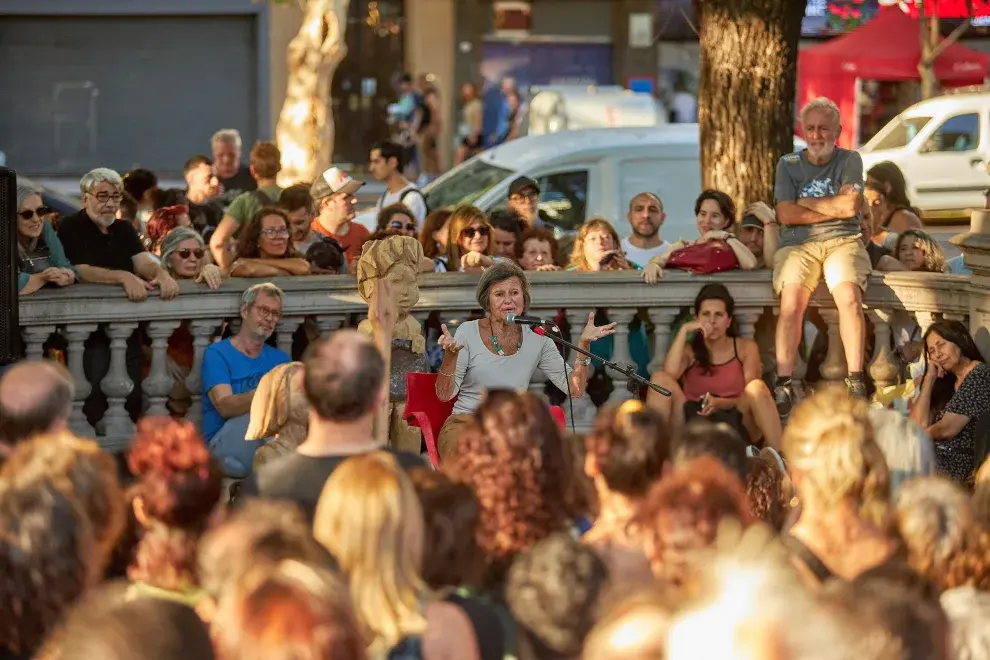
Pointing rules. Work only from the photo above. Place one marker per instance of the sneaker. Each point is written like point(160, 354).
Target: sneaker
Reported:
point(856, 389)
point(783, 396)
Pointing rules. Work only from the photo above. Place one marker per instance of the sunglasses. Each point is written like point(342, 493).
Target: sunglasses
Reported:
point(41, 211)
point(185, 252)
point(469, 232)
point(409, 226)
point(276, 232)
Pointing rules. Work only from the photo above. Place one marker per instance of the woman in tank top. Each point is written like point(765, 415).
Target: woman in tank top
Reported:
point(716, 374)
point(886, 193)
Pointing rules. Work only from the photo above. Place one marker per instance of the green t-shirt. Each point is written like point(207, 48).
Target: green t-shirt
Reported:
point(247, 204)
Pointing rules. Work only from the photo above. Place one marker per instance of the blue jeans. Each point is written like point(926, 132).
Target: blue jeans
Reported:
point(234, 453)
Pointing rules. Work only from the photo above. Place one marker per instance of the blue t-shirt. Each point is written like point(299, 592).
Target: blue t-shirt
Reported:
point(225, 365)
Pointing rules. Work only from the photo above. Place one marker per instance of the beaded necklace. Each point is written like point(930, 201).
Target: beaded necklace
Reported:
point(495, 343)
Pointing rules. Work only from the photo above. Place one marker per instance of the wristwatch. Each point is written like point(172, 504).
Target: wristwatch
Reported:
point(585, 361)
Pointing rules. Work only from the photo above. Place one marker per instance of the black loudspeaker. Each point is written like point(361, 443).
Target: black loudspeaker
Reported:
point(10, 333)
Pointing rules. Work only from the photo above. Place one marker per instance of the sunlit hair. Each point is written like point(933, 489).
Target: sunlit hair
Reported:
point(164, 220)
point(497, 273)
point(178, 485)
point(630, 444)
point(93, 178)
point(292, 611)
point(83, 473)
point(944, 543)
point(968, 610)
point(229, 136)
point(633, 626)
point(370, 520)
point(461, 218)
point(512, 455)
point(577, 260)
point(892, 183)
point(431, 225)
point(823, 103)
point(934, 257)
point(682, 513)
point(450, 515)
point(981, 494)
point(829, 440)
point(248, 246)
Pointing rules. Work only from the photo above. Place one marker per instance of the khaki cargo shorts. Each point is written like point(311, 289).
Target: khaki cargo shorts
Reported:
point(839, 259)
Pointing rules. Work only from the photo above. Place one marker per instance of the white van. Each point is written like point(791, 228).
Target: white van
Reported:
point(942, 147)
point(568, 108)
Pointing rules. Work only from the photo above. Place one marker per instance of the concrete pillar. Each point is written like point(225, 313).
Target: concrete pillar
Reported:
point(431, 47)
point(629, 61)
point(975, 245)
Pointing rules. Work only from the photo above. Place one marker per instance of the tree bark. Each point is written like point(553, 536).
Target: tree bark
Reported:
point(746, 93)
point(932, 46)
point(305, 130)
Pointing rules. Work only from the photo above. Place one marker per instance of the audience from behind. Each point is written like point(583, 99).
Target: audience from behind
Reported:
point(370, 520)
point(954, 396)
point(537, 250)
point(265, 248)
point(178, 485)
point(596, 248)
point(917, 250)
point(288, 611)
point(41, 258)
point(333, 194)
point(235, 178)
point(161, 222)
point(768, 496)
point(846, 524)
point(645, 217)
point(35, 397)
point(907, 449)
point(718, 375)
point(105, 251)
point(682, 514)
point(524, 200)
point(886, 195)
point(298, 205)
point(266, 162)
point(469, 241)
point(717, 440)
point(944, 542)
point(968, 611)
point(436, 230)
point(511, 455)
point(109, 625)
point(626, 452)
point(632, 627)
point(202, 190)
point(344, 383)
point(981, 493)
point(397, 219)
point(506, 228)
point(553, 590)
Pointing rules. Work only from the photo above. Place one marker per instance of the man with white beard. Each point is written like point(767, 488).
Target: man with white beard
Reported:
point(105, 250)
point(818, 195)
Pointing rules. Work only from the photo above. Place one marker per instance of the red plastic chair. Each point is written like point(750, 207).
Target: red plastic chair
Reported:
point(428, 413)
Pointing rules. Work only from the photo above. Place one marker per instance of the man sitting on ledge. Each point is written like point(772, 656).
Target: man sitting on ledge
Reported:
point(231, 371)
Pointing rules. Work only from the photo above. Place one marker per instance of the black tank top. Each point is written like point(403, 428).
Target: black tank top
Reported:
point(886, 221)
point(427, 114)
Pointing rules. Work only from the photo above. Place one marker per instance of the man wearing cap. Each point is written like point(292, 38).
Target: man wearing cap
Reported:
point(758, 232)
point(524, 196)
point(333, 194)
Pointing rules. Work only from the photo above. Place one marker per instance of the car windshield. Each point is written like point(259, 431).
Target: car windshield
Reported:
point(465, 184)
point(901, 134)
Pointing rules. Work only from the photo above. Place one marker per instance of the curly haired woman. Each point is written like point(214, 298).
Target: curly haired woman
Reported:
point(178, 486)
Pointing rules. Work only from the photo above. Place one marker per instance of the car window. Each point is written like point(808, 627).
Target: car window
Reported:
point(564, 198)
point(901, 134)
point(959, 133)
point(465, 184)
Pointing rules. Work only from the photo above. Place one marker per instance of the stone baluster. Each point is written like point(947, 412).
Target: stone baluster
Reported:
point(885, 367)
point(77, 334)
point(35, 338)
point(948, 316)
point(747, 318)
point(620, 352)
point(663, 318)
point(584, 408)
point(158, 385)
point(202, 331)
point(834, 366)
point(286, 328)
point(117, 385)
point(327, 323)
point(925, 320)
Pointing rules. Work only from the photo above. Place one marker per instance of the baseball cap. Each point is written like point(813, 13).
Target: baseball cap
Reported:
point(334, 181)
point(750, 220)
point(522, 183)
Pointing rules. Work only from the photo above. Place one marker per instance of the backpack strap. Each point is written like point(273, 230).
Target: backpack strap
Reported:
point(262, 198)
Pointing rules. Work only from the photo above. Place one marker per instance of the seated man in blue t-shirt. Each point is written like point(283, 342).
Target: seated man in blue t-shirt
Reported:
point(231, 371)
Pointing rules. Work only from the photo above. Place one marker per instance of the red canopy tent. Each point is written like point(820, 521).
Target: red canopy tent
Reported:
point(886, 48)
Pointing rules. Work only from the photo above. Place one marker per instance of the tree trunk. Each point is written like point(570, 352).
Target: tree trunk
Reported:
point(929, 26)
point(746, 93)
point(305, 130)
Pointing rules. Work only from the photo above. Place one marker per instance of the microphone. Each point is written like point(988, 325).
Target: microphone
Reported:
point(519, 319)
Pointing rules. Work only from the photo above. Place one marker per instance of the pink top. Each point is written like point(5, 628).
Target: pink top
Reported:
point(725, 380)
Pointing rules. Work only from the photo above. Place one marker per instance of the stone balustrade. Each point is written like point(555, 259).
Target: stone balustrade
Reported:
point(332, 302)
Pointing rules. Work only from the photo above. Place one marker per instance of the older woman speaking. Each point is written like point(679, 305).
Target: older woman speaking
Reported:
point(490, 353)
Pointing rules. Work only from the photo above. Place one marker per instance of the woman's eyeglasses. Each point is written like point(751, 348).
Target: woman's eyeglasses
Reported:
point(184, 253)
point(409, 226)
point(41, 212)
point(469, 232)
point(276, 232)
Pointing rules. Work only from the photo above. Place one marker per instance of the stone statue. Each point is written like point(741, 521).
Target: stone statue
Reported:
point(279, 411)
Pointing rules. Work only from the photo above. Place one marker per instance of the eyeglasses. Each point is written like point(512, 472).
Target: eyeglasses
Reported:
point(268, 312)
point(105, 197)
point(276, 232)
point(531, 196)
point(409, 226)
point(41, 211)
point(185, 252)
point(469, 232)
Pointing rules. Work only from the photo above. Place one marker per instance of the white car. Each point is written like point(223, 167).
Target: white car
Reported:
point(942, 146)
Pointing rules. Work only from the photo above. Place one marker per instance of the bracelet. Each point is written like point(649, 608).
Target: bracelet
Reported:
point(444, 373)
point(585, 361)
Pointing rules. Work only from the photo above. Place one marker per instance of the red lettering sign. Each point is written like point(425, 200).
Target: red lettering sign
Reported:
point(951, 9)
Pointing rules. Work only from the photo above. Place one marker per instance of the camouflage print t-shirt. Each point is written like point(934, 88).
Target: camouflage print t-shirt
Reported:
point(798, 178)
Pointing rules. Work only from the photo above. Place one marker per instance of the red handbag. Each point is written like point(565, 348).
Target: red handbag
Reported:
point(704, 258)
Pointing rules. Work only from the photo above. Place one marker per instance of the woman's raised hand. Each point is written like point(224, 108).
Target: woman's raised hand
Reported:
point(594, 332)
point(447, 342)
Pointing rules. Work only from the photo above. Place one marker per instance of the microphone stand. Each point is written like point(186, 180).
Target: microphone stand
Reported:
point(629, 372)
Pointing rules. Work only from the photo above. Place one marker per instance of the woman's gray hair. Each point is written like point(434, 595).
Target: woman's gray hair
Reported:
point(95, 177)
point(23, 192)
point(498, 272)
point(172, 241)
point(967, 610)
point(252, 293)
